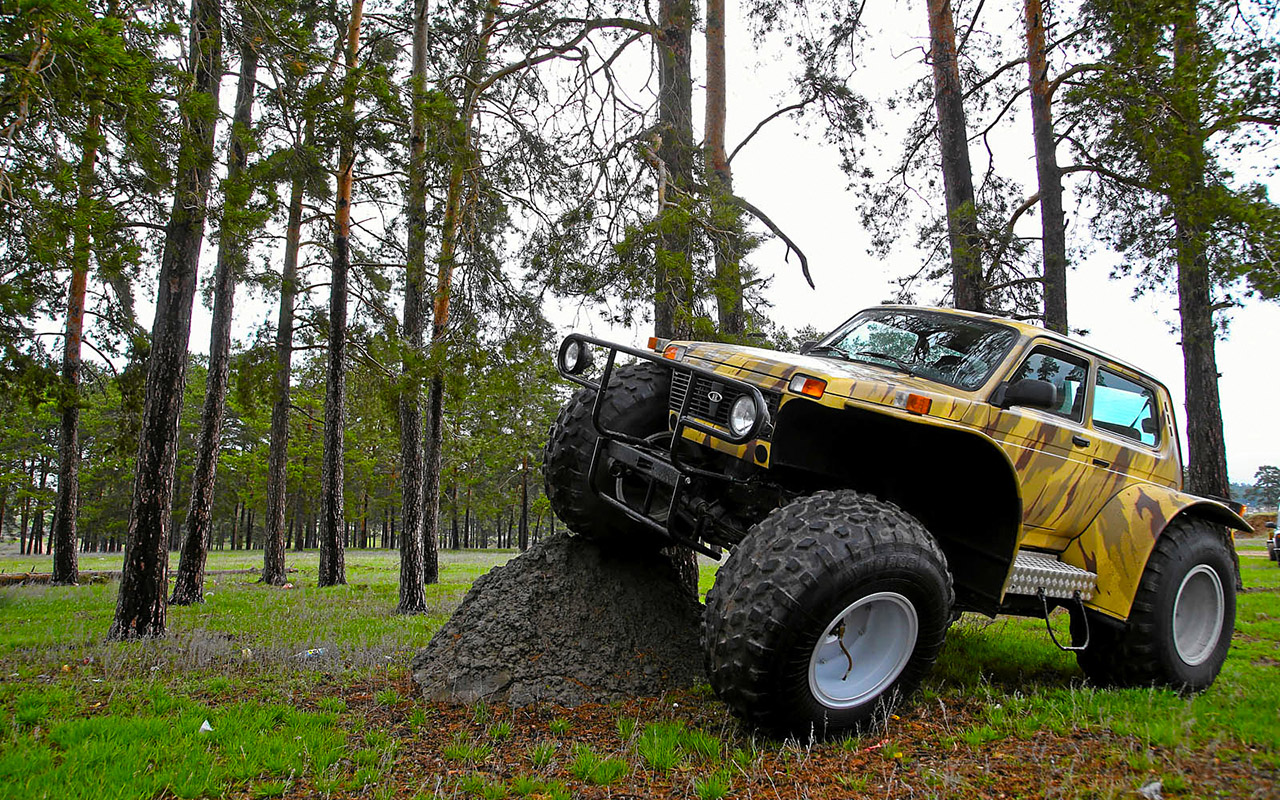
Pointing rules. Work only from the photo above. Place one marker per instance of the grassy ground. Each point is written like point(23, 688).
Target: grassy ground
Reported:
point(306, 692)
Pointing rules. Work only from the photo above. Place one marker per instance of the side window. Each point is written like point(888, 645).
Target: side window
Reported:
point(1066, 371)
point(1125, 407)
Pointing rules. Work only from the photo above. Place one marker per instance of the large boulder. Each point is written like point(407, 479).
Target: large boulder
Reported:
point(568, 622)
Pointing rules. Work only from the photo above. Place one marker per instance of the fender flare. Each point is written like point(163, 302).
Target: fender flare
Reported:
point(1119, 540)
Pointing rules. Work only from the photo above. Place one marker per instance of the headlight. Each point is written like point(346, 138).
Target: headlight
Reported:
point(575, 358)
point(742, 415)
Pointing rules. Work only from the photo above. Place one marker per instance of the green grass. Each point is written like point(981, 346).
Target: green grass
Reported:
point(83, 718)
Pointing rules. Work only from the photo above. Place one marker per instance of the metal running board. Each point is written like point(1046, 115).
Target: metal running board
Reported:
point(1035, 571)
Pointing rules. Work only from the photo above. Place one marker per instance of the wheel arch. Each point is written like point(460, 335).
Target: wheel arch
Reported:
point(958, 483)
point(1119, 541)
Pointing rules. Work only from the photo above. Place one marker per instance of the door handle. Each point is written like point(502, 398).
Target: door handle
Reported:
point(1079, 441)
point(1097, 462)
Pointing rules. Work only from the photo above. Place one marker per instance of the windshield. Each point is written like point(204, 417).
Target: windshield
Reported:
point(954, 350)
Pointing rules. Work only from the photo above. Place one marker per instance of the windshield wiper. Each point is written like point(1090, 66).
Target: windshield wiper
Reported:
point(902, 365)
point(827, 349)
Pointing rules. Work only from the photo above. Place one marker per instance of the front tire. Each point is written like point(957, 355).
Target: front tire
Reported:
point(1179, 629)
point(828, 613)
point(636, 404)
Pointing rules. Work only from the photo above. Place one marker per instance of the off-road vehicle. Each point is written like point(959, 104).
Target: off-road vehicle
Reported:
point(913, 464)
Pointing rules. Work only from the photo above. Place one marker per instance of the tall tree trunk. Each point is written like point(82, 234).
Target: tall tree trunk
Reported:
point(413, 598)
point(728, 247)
point(450, 231)
point(1053, 222)
point(188, 587)
point(141, 606)
point(957, 175)
point(673, 255)
point(1206, 451)
point(332, 517)
point(66, 568)
point(278, 453)
point(524, 504)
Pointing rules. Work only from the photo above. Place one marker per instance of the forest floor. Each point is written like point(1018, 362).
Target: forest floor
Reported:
point(302, 692)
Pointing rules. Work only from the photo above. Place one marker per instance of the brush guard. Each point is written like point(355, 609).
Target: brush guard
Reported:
point(658, 467)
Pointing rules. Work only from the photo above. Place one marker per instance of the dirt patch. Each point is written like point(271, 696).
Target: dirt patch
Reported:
point(569, 623)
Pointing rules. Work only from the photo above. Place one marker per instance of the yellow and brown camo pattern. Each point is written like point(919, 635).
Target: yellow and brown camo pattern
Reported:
point(1100, 505)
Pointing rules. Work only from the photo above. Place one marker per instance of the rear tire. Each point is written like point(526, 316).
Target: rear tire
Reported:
point(1179, 629)
point(635, 404)
point(829, 612)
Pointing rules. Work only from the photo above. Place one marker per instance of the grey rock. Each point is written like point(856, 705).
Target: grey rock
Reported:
point(568, 622)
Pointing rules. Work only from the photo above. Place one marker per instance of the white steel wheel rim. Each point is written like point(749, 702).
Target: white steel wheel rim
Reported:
point(863, 650)
point(1198, 614)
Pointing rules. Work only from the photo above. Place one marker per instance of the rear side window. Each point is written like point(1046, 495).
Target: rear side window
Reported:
point(1125, 407)
point(1063, 370)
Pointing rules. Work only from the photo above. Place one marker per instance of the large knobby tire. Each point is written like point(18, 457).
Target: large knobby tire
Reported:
point(829, 612)
point(1183, 615)
point(635, 404)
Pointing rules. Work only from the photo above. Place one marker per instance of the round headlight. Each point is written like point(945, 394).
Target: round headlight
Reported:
point(742, 415)
point(572, 355)
point(575, 357)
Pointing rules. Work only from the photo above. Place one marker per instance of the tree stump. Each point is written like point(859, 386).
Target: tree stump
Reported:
point(569, 622)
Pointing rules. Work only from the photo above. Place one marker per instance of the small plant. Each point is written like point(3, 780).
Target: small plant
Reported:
point(418, 718)
point(387, 697)
point(626, 728)
point(500, 730)
point(465, 749)
point(270, 789)
point(559, 726)
point(854, 783)
point(714, 786)
point(481, 713)
point(589, 767)
point(525, 785)
point(477, 786)
point(700, 744)
point(659, 746)
point(540, 754)
point(333, 705)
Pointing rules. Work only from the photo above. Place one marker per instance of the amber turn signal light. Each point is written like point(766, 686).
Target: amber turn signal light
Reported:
point(809, 387)
point(919, 404)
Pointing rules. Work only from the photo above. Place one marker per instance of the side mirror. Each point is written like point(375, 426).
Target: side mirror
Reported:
point(1029, 392)
point(805, 347)
point(1151, 425)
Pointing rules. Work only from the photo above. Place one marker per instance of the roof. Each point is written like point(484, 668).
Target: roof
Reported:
point(1031, 331)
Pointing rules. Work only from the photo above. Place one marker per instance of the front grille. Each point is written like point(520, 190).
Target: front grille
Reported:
point(701, 404)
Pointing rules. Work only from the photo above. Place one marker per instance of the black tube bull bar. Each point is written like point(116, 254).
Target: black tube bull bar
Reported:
point(641, 457)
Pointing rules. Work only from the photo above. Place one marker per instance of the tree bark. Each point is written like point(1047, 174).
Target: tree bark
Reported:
point(728, 247)
point(673, 255)
point(450, 229)
point(332, 512)
point(413, 598)
point(65, 561)
point(524, 504)
point(1053, 224)
point(1206, 446)
point(278, 454)
point(188, 587)
point(957, 175)
point(141, 607)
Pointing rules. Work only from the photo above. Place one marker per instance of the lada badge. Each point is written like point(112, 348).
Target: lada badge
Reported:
point(714, 396)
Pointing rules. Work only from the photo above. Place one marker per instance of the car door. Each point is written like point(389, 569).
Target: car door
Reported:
point(1128, 427)
point(1052, 450)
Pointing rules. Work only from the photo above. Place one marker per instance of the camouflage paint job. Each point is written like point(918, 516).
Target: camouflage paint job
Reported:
point(1097, 498)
